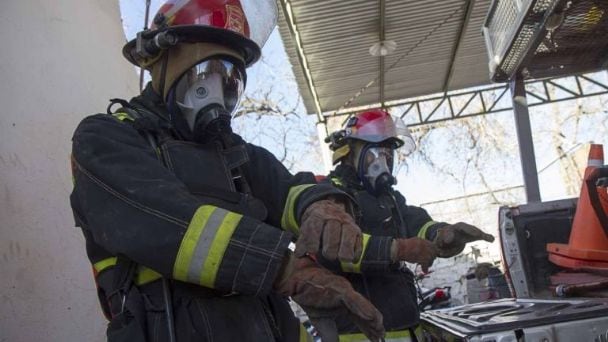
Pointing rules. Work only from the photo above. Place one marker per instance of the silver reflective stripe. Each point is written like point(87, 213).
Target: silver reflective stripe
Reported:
point(203, 245)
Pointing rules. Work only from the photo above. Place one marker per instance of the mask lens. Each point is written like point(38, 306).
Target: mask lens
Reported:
point(210, 82)
point(373, 156)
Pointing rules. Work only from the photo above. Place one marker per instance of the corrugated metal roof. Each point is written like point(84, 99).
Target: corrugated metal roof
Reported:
point(335, 37)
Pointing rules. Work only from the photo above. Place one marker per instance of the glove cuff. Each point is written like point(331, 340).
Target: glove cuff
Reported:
point(285, 271)
point(432, 231)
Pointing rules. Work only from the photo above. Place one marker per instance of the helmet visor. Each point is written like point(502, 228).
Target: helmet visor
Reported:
point(262, 19)
point(383, 129)
point(254, 19)
point(211, 82)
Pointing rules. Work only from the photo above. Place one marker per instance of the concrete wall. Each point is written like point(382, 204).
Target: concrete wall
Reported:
point(60, 61)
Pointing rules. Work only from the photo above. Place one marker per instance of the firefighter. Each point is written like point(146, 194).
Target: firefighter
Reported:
point(394, 232)
point(187, 226)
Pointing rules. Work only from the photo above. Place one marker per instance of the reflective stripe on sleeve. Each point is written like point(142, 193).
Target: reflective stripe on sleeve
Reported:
point(288, 219)
point(422, 231)
point(204, 244)
point(356, 267)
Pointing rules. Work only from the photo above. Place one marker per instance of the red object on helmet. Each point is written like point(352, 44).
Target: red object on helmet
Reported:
point(376, 126)
point(226, 14)
point(215, 21)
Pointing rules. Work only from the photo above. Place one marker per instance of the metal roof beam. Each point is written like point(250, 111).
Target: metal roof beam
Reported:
point(291, 23)
point(400, 58)
point(461, 33)
point(425, 110)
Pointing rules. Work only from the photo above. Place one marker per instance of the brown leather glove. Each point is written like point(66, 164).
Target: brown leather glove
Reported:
point(451, 240)
point(326, 225)
point(414, 250)
point(312, 286)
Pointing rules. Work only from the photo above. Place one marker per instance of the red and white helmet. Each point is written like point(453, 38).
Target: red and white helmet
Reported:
point(372, 126)
point(243, 25)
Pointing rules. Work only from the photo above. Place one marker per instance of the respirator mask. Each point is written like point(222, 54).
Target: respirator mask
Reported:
point(207, 96)
point(376, 168)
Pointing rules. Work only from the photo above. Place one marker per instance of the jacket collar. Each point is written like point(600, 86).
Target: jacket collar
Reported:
point(347, 176)
point(152, 102)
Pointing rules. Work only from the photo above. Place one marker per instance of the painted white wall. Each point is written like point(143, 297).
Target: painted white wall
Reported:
point(60, 60)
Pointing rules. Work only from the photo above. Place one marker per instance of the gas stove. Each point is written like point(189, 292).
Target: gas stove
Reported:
point(514, 320)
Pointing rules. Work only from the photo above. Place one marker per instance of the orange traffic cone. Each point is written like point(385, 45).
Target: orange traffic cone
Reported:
point(587, 248)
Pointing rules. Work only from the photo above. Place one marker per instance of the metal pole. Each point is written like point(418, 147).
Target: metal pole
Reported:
point(141, 70)
point(524, 138)
point(325, 152)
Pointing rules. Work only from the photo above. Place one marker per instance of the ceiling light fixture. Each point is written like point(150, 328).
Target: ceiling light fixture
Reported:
point(383, 48)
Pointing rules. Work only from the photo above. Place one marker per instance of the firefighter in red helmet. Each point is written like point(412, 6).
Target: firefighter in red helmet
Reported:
point(187, 226)
point(394, 232)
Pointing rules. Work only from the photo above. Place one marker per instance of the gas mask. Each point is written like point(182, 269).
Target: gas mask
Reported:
point(207, 95)
point(375, 168)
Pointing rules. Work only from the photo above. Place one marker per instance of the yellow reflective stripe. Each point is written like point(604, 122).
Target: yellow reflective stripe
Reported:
point(304, 335)
point(288, 219)
point(204, 244)
point(394, 336)
point(418, 333)
point(105, 263)
point(422, 231)
point(356, 267)
point(337, 181)
point(123, 116)
point(186, 248)
point(218, 248)
point(146, 275)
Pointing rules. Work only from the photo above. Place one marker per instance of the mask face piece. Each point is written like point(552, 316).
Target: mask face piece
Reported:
point(207, 96)
point(376, 167)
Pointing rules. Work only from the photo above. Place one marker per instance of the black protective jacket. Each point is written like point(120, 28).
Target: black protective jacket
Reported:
point(215, 219)
point(389, 286)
